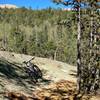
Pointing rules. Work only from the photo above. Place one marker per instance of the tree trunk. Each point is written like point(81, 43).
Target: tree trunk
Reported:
point(55, 53)
point(79, 52)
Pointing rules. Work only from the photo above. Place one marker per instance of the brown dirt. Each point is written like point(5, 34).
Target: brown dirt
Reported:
point(62, 78)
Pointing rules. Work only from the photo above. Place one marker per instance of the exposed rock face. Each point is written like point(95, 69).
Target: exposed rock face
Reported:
point(9, 6)
point(62, 90)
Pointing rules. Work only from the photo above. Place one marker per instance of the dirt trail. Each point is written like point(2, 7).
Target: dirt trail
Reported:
point(53, 71)
point(15, 79)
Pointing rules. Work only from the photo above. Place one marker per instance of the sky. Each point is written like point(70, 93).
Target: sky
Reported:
point(34, 4)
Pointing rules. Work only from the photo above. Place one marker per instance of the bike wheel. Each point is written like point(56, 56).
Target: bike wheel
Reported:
point(33, 77)
point(38, 71)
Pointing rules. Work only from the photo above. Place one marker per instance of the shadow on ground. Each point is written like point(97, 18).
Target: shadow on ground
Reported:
point(7, 69)
point(14, 72)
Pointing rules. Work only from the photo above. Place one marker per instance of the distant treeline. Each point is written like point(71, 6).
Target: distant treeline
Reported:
point(47, 33)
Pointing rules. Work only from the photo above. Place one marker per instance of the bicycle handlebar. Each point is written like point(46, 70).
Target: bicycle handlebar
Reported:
point(29, 60)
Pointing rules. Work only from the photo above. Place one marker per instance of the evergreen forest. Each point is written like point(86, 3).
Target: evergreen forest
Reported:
point(49, 33)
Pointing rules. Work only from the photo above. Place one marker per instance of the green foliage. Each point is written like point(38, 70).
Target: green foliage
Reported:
point(39, 32)
point(88, 43)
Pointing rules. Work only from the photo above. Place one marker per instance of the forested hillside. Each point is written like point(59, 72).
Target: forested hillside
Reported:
point(67, 36)
point(43, 33)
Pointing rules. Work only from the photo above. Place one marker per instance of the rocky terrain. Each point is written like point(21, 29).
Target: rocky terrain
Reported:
point(59, 79)
point(9, 6)
point(13, 77)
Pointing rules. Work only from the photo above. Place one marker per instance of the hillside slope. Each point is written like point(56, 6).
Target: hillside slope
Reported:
point(13, 77)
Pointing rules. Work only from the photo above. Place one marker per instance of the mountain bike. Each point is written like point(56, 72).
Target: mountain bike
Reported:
point(33, 71)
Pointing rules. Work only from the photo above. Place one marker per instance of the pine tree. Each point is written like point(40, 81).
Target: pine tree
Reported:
point(88, 72)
